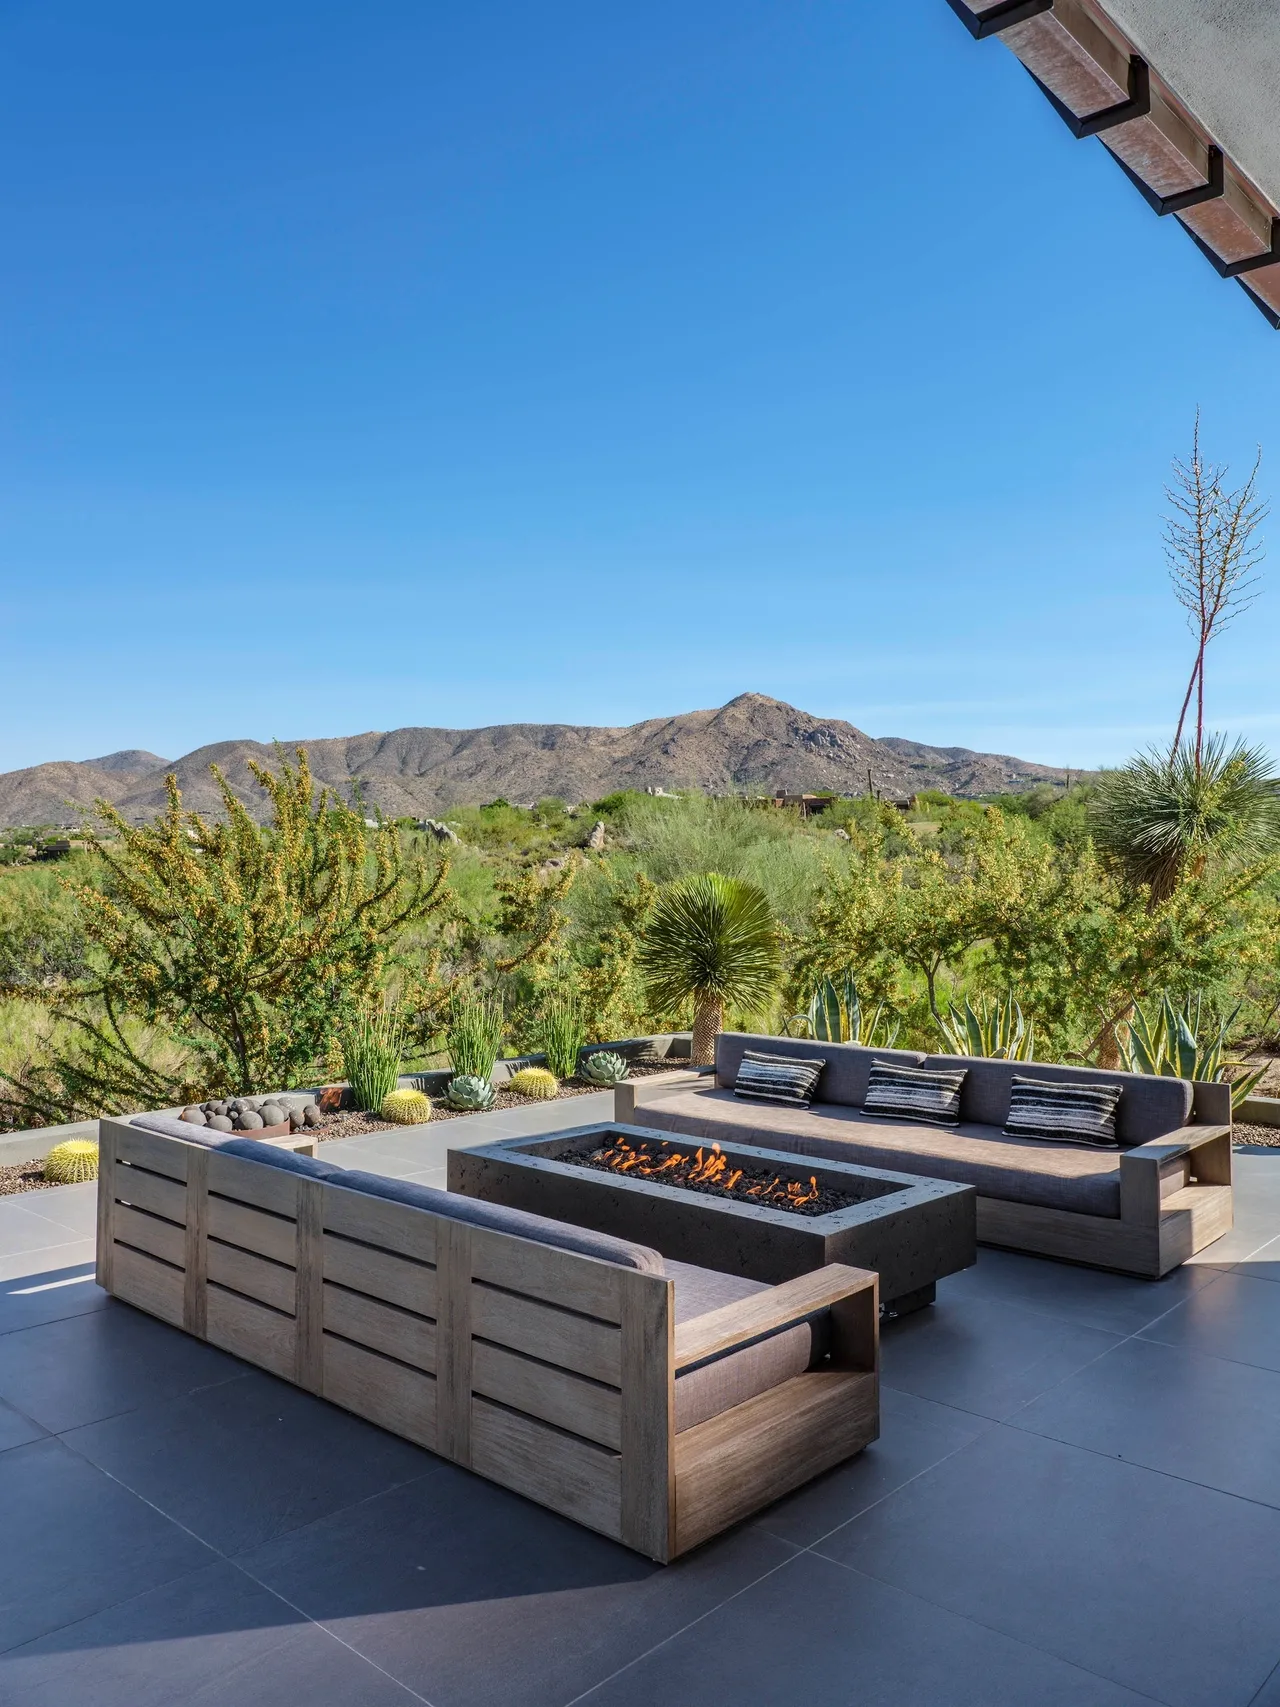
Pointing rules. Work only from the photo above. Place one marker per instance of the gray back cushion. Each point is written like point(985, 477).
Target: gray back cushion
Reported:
point(234, 1144)
point(494, 1216)
point(499, 1219)
point(1149, 1106)
point(843, 1079)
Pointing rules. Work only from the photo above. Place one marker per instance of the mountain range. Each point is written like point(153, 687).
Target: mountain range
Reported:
point(753, 744)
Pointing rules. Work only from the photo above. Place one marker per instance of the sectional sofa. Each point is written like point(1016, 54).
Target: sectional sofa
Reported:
point(1142, 1208)
point(651, 1400)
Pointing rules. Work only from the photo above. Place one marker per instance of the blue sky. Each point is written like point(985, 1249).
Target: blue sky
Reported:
point(364, 366)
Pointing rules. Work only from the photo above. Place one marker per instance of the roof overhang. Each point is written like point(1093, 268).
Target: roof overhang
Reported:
point(1185, 94)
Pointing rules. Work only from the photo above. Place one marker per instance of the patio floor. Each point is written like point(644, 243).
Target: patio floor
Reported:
point(1076, 1500)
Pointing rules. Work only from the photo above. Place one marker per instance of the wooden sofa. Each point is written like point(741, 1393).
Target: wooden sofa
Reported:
point(1142, 1209)
point(548, 1358)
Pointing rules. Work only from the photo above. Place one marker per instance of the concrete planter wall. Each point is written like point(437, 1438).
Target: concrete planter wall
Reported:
point(34, 1143)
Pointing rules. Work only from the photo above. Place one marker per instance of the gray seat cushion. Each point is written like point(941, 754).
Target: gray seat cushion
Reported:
point(1019, 1170)
point(741, 1375)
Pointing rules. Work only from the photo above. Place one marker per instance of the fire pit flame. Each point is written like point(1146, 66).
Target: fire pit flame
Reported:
point(708, 1171)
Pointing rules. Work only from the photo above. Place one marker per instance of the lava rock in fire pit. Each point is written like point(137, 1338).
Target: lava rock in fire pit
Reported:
point(249, 1121)
point(193, 1116)
point(272, 1114)
point(220, 1123)
point(311, 1115)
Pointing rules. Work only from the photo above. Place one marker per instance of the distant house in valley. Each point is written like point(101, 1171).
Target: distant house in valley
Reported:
point(1184, 94)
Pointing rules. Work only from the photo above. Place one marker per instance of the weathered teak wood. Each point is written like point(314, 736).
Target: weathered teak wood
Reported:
point(550, 1372)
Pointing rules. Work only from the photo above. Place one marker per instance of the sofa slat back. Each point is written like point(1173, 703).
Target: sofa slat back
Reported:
point(542, 1368)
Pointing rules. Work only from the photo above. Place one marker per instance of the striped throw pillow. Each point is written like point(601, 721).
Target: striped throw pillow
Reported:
point(1063, 1113)
point(777, 1078)
point(907, 1093)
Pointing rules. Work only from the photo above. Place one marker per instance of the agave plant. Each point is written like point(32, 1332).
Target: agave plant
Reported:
point(468, 1093)
point(605, 1067)
point(1167, 1041)
point(996, 1030)
point(834, 1015)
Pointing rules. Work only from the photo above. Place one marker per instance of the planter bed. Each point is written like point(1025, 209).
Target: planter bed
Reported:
point(24, 1176)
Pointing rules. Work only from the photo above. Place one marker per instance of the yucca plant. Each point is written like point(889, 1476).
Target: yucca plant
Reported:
point(1166, 1040)
point(834, 1015)
point(563, 1034)
point(995, 1029)
point(1163, 815)
point(475, 1036)
point(372, 1047)
point(711, 940)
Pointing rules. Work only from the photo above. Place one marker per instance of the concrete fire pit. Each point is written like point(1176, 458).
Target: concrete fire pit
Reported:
point(912, 1231)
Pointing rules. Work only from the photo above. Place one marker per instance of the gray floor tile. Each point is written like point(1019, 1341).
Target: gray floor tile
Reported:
point(474, 1597)
point(15, 1429)
point(1238, 1318)
point(1167, 1588)
point(212, 1639)
point(915, 1434)
point(817, 1634)
point(1263, 1265)
point(73, 1208)
point(23, 1230)
point(81, 1369)
point(1201, 1418)
point(984, 1355)
point(45, 1260)
point(74, 1542)
point(244, 1462)
point(48, 1294)
point(1091, 1297)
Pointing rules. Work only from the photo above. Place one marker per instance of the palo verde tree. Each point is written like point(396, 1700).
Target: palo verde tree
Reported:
point(243, 948)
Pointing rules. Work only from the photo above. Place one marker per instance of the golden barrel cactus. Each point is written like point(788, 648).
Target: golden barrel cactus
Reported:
point(407, 1107)
point(72, 1162)
point(535, 1082)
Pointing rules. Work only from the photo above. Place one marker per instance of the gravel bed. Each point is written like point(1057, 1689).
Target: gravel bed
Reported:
point(350, 1124)
point(23, 1176)
point(1268, 1137)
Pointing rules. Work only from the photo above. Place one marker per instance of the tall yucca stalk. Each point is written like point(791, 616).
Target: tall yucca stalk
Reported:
point(711, 940)
point(1164, 815)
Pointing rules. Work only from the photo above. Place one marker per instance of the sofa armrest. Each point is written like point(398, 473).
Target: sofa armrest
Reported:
point(1151, 1172)
point(851, 1295)
point(631, 1094)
